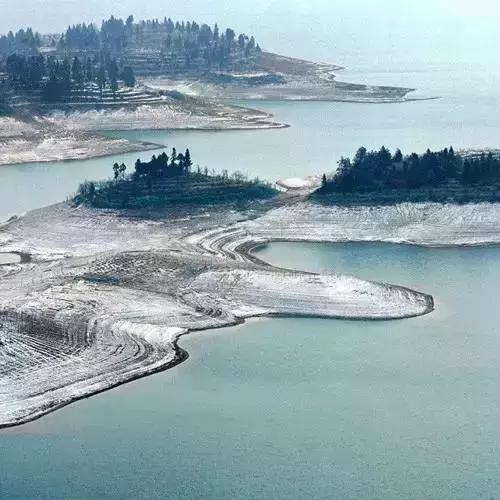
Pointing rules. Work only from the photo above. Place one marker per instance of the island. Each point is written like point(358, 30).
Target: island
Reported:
point(59, 92)
point(106, 283)
point(170, 181)
point(96, 291)
point(375, 177)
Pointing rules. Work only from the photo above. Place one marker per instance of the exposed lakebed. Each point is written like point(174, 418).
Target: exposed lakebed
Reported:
point(296, 407)
point(318, 135)
point(299, 407)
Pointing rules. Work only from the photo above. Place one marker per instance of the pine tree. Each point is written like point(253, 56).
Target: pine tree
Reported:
point(114, 86)
point(187, 160)
point(76, 72)
point(101, 78)
point(398, 156)
point(89, 70)
point(128, 76)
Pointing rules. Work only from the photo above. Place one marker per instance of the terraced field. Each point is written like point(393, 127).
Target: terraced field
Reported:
point(104, 296)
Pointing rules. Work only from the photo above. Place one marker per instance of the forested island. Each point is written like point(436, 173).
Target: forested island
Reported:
point(86, 60)
point(100, 64)
point(382, 177)
point(170, 180)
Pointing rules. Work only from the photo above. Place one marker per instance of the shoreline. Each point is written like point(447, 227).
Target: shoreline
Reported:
point(142, 286)
point(145, 146)
point(148, 146)
point(181, 355)
point(81, 135)
point(215, 247)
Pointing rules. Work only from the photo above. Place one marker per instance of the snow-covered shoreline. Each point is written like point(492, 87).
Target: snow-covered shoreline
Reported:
point(103, 297)
point(422, 224)
point(61, 135)
point(65, 146)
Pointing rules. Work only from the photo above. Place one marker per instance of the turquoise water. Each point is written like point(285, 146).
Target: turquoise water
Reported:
point(465, 116)
point(298, 408)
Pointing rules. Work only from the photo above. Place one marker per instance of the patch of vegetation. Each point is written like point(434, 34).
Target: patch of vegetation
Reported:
point(185, 45)
point(86, 58)
point(4, 107)
point(380, 177)
point(23, 41)
point(167, 181)
point(57, 78)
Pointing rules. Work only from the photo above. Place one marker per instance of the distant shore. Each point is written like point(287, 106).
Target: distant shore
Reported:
point(78, 135)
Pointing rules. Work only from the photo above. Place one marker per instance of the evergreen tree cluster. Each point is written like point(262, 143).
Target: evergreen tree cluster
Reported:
point(189, 43)
point(484, 168)
point(58, 77)
point(380, 170)
point(23, 41)
point(170, 180)
point(85, 54)
point(25, 72)
point(163, 166)
point(4, 107)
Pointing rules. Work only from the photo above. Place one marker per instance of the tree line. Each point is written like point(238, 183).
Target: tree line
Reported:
point(166, 180)
point(23, 41)
point(56, 78)
point(379, 170)
point(145, 173)
point(164, 166)
point(85, 54)
point(190, 42)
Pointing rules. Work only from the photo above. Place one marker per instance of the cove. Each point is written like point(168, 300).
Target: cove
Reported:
point(294, 408)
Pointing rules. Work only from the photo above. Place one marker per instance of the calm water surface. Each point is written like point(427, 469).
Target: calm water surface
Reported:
point(298, 408)
point(466, 115)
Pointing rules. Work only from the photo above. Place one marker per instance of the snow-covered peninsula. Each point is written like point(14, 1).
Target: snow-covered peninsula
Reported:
point(101, 297)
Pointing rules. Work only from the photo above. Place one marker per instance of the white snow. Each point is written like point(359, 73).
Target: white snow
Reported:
point(106, 296)
point(293, 183)
point(427, 224)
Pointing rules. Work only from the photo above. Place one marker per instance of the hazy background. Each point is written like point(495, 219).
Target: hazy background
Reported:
point(372, 35)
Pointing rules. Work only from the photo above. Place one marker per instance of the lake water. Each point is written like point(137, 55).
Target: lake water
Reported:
point(466, 115)
point(298, 408)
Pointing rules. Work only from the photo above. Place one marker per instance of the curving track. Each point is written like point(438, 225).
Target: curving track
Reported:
point(105, 297)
